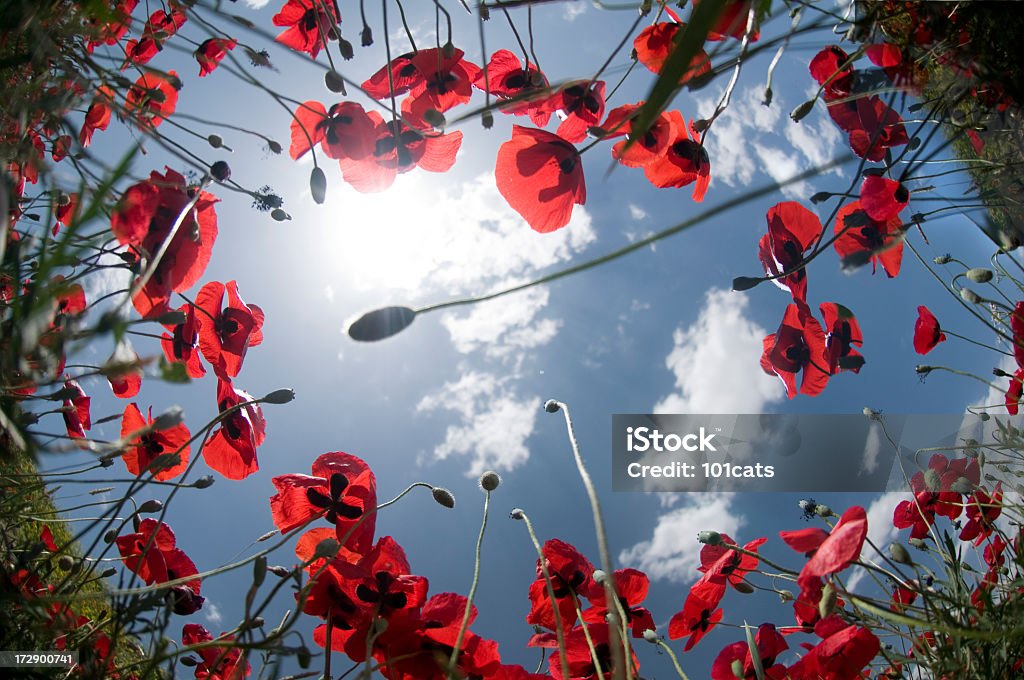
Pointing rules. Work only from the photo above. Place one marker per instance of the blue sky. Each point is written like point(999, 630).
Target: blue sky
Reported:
point(461, 391)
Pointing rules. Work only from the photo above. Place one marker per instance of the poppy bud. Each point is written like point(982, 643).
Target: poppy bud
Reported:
point(923, 370)
point(304, 657)
point(516, 513)
point(979, 275)
point(484, 10)
point(434, 118)
point(345, 47)
point(280, 215)
point(785, 595)
point(220, 171)
point(334, 82)
point(741, 283)
point(962, 485)
point(551, 406)
point(820, 197)
point(203, 482)
point(942, 259)
point(63, 199)
point(743, 587)
point(259, 570)
point(172, 318)
point(381, 323)
point(737, 668)
point(172, 417)
point(768, 96)
point(827, 603)
point(487, 120)
point(150, 506)
point(366, 37)
point(327, 548)
point(110, 536)
point(443, 496)
point(822, 510)
point(900, 554)
point(710, 538)
point(701, 124)
point(970, 296)
point(274, 147)
point(108, 572)
point(188, 661)
point(281, 396)
point(278, 570)
point(651, 636)
point(448, 50)
point(490, 480)
point(800, 112)
point(600, 576)
point(318, 185)
point(917, 543)
point(215, 141)
point(65, 562)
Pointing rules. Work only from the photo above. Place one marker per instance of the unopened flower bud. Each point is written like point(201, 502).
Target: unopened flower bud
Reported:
point(110, 536)
point(551, 406)
point(366, 37)
point(970, 296)
point(63, 199)
point(979, 275)
point(108, 572)
point(932, 480)
point(150, 506)
point(327, 548)
point(710, 538)
point(443, 496)
point(172, 318)
point(741, 283)
point(800, 112)
point(822, 510)
point(345, 47)
point(821, 197)
point(599, 576)
point(172, 417)
point(651, 636)
point(743, 587)
point(737, 669)
point(785, 595)
point(304, 656)
point(916, 543)
point(827, 604)
point(516, 513)
point(280, 215)
point(65, 562)
point(215, 141)
point(278, 570)
point(448, 50)
point(900, 554)
point(962, 485)
point(274, 147)
point(334, 82)
point(490, 480)
point(922, 369)
point(281, 396)
point(203, 482)
point(942, 259)
point(487, 120)
point(434, 118)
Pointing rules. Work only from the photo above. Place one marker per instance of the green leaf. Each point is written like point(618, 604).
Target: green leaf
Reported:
point(173, 371)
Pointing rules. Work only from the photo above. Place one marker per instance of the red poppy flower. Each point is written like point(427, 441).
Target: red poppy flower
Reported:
point(524, 88)
point(152, 553)
point(1017, 326)
point(571, 576)
point(927, 332)
point(902, 597)
point(769, 643)
point(61, 146)
point(445, 81)
point(398, 148)
point(216, 662)
point(541, 176)
point(346, 131)
point(684, 162)
point(872, 125)
point(918, 514)
point(211, 51)
point(97, 117)
point(65, 213)
point(139, 52)
point(732, 21)
point(792, 230)
point(584, 664)
point(804, 540)
point(310, 24)
point(163, 24)
point(227, 333)
point(582, 105)
point(890, 59)
point(143, 220)
point(842, 332)
point(342, 488)
point(828, 70)
point(699, 615)
point(882, 198)
point(231, 450)
point(152, 98)
point(439, 622)
point(724, 565)
point(76, 410)
point(631, 586)
point(1014, 392)
point(69, 300)
point(153, 443)
point(656, 42)
point(840, 549)
point(644, 150)
point(843, 654)
point(123, 371)
point(382, 582)
point(118, 21)
point(982, 512)
point(798, 345)
point(403, 76)
point(860, 239)
point(183, 341)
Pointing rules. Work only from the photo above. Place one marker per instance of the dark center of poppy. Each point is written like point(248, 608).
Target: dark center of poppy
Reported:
point(568, 164)
point(334, 504)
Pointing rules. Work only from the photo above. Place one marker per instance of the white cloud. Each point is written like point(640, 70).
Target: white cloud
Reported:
point(494, 422)
point(212, 612)
point(673, 553)
point(256, 4)
point(573, 10)
point(636, 212)
point(715, 362)
point(781, 166)
point(502, 327)
point(329, 292)
point(881, 532)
